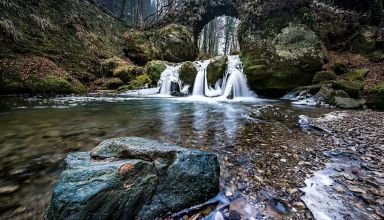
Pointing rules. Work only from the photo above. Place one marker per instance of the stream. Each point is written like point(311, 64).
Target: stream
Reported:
point(37, 133)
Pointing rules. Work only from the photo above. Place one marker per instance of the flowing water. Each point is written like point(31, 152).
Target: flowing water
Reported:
point(36, 133)
point(233, 84)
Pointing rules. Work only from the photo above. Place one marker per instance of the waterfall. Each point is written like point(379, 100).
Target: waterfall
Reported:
point(237, 82)
point(201, 83)
point(170, 75)
point(232, 85)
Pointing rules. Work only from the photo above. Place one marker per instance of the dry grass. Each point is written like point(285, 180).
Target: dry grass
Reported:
point(10, 29)
point(43, 23)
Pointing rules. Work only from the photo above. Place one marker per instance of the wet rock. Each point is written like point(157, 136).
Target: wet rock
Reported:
point(133, 178)
point(234, 215)
point(279, 206)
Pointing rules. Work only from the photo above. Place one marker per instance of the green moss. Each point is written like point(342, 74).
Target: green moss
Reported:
point(112, 63)
point(73, 34)
point(323, 76)
point(50, 85)
point(8, 86)
point(357, 74)
point(140, 82)
point(188, 73)
point(340, 68)
point(376, 97)
point(154, 69)
point(108, 83)
point(216, 69)
point(127, 72)
point(354, 89)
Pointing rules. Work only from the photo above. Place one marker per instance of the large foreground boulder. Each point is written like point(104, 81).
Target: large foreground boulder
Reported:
point(133, 178)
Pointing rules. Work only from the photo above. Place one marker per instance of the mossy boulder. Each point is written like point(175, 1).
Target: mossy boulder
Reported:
point(128, 72)
point(174, 43)
point(187, 73)
point(354, 89)
point(281, 58)
point(367, 42)
point(376, 97)
point(140, 82)
point(347, 103)
point(341, 93)
point(357, 74)
point(108, 83)
point(340, 68)
point(112, 63)
point(216, 69)
point(323, 76)
point(154, 69)
point(36, 75)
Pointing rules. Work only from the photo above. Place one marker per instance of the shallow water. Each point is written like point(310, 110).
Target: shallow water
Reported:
point(37, 132)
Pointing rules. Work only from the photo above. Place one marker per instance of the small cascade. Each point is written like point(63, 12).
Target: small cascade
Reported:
point(201, 78)
point(232, 85)
point(170, 75)
point(236, 85)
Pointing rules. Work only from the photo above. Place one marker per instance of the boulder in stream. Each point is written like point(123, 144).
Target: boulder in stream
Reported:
point(133, 178)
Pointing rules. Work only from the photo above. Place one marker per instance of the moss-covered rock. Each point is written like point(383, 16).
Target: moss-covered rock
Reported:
point(341, 93)
point(112, 63)
point(354, 89)
point(376, 97)
point(340, 68)
point(140, 82)
point(216, 69)
point(188, 73)
point(348, 103)
point(357, 74)
point(367, 42)
point(154, 69)
point(323, 76)
point(325, 93)
point(174, 43)
point(127, 72)
point(281, 58)
point(36, 75)
point(108, 83)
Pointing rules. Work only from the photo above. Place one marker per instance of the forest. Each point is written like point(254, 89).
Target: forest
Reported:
point(192, 109)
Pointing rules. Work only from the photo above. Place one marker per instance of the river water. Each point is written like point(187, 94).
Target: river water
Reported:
point(36, 133)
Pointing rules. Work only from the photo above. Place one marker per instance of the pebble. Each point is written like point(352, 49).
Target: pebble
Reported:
point(299, 205)
point(8, 189)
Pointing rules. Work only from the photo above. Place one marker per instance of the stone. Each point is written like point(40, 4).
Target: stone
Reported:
point(216, 69)
point(375, 97)
point(354, 89)
point(323, 76)
point(154, 69)
point(133, 178)
point(299, 205)
point(356, 189)
point(348, 103)
point(295, 52)
point(173, 43)
point(357, 74)
point(187, 73)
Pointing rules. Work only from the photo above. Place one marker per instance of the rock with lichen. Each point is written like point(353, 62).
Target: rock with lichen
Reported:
point(133, 178)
